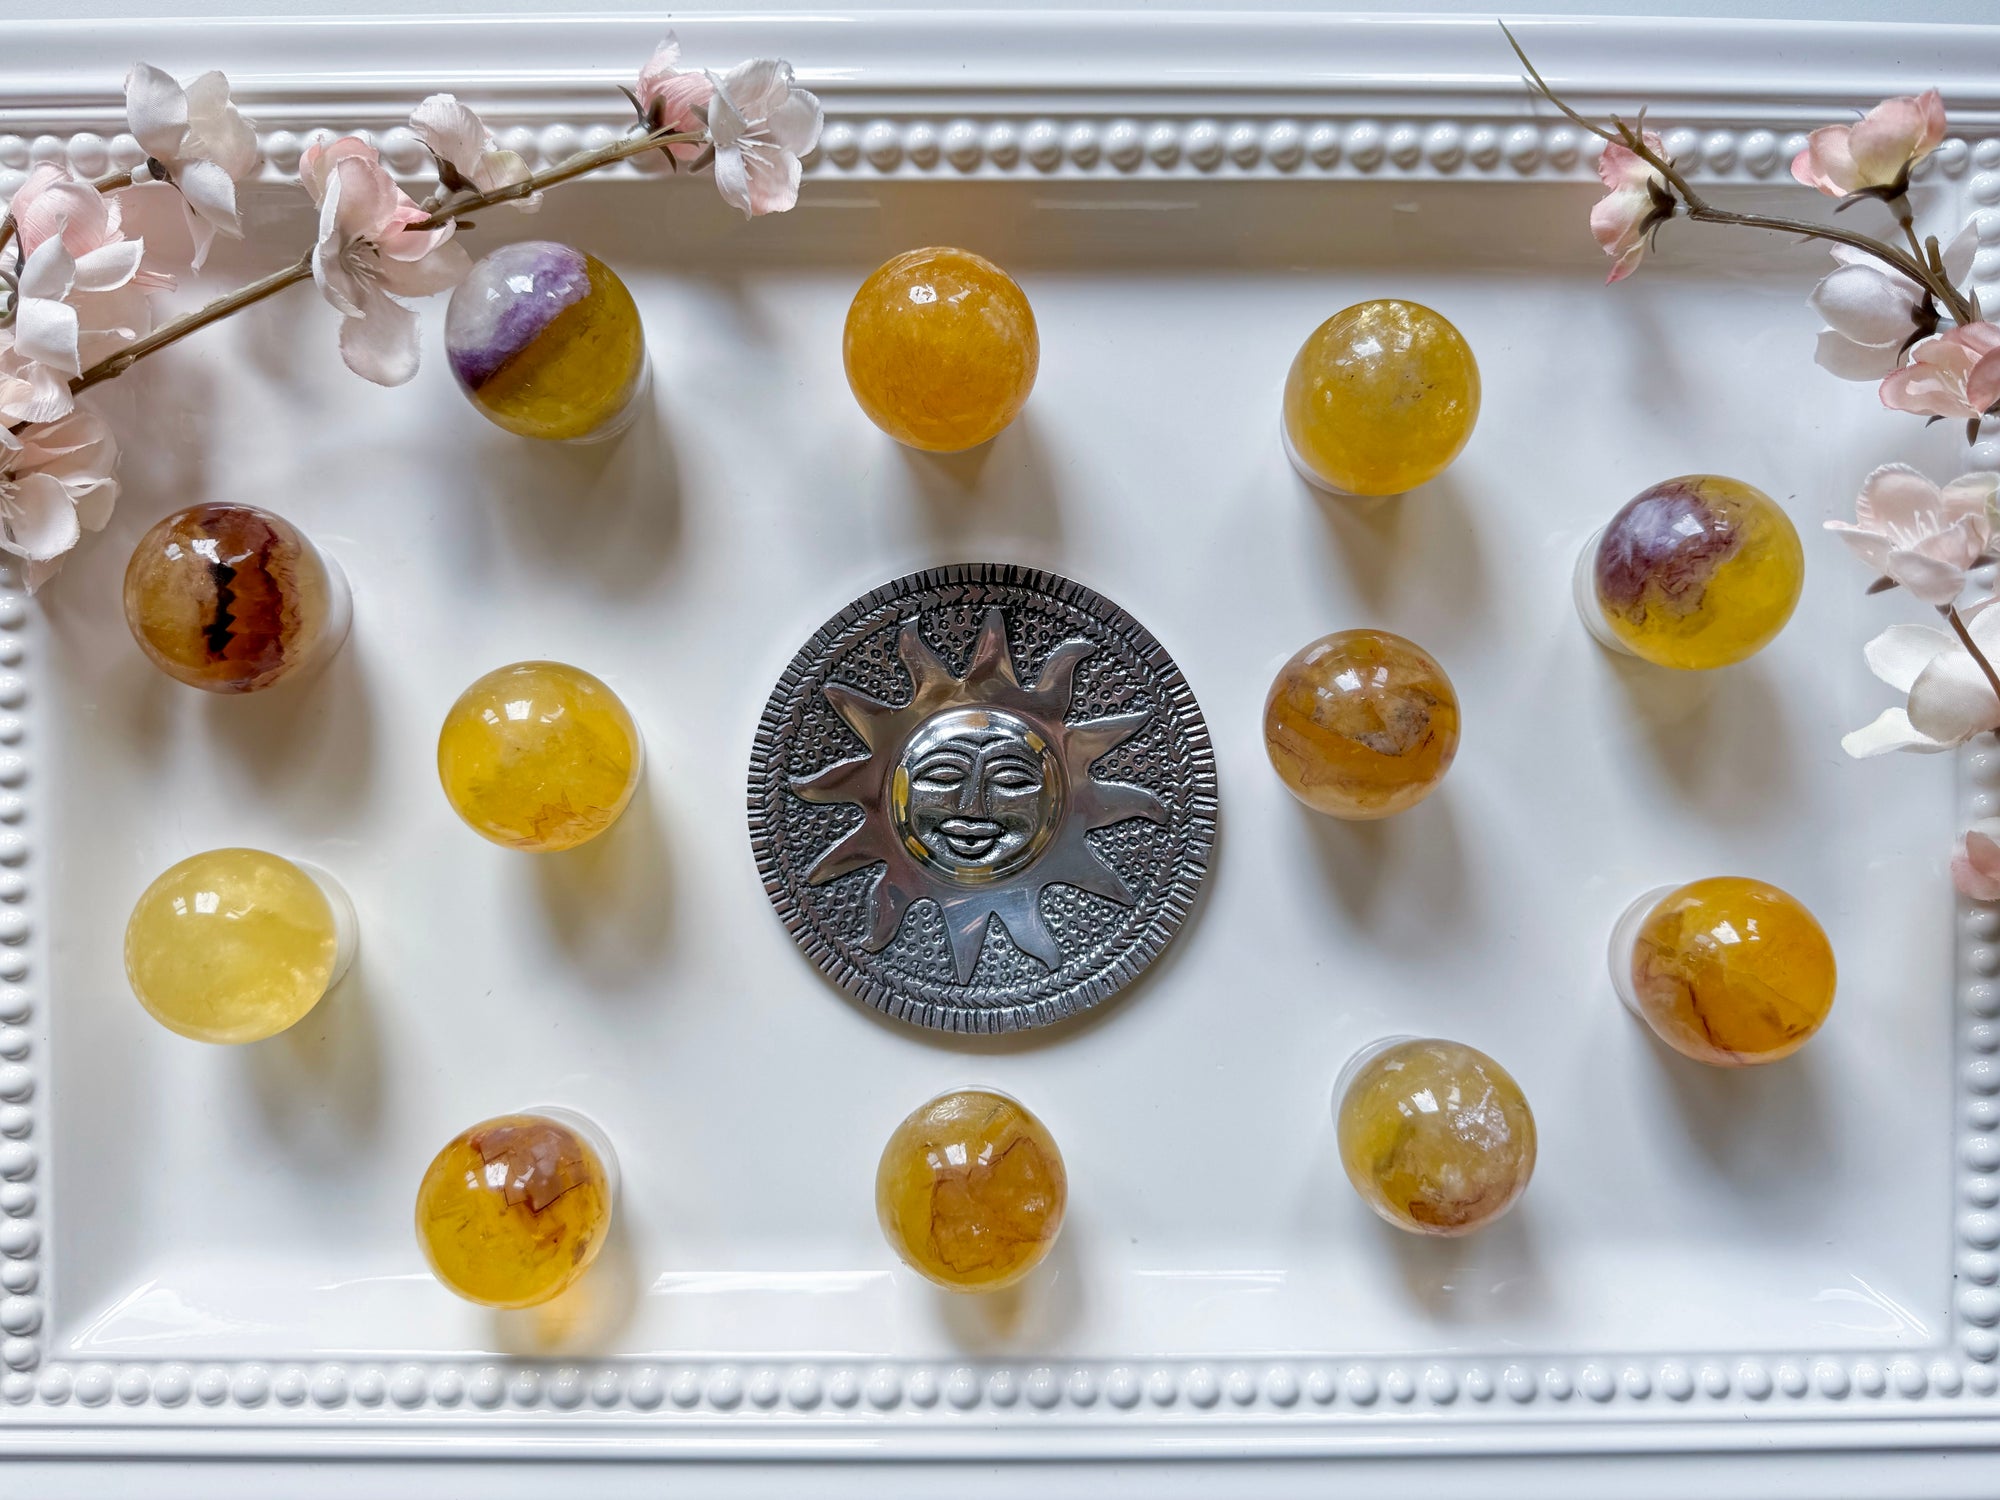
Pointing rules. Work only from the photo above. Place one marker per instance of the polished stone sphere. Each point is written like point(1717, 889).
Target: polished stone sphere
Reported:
point(941, 349)
point(1436, 1136)
point(1729, 971)
point(971, 1191)
point(1361, 724)
point(514, 1210)
point(546, 342)
point(231, 598)
point(539, 756)
point(233, 945)
point(1380, 399)
point(1698, 572)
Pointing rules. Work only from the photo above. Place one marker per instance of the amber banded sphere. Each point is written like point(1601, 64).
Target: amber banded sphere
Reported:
point(231, 598)
point(1730, 971)
point(1361, 724)
point(941, 349)
point(539, 756)
point(546, 342)
point(1380, 398)
point(971, 1191)
point(1436, 1136)
point(514, 1210)
point(1698, 572)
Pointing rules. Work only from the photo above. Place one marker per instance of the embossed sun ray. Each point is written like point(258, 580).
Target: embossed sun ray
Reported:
point(991, 681)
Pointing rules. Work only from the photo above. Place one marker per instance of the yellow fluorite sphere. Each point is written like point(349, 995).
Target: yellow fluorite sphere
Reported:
point(231, 946)
point(1732, 971)
point(1380, 398)
point(971, 1191)
point(539, 756)
point(514, 1210)
point(1361, 724)
point(1436, 1136)
point(546, 342)
point(941, 349)
point(1698, 572)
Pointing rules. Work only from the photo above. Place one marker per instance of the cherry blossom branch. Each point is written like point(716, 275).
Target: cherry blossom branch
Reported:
point(1914, 266)
point(302, 269)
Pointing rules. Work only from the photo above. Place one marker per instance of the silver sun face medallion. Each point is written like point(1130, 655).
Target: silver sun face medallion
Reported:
point(982, 798)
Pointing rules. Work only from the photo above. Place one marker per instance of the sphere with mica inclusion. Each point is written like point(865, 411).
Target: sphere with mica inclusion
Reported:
point(1696, 572)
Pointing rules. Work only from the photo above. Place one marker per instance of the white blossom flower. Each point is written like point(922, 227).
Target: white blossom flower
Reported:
point(1975, 866)
point(201, 142)
point(467, 150)
point(57, 481)
point(1950, 697)
point(1871, 310)
point(1924, 537)
point(367, 257)
point(761, 123)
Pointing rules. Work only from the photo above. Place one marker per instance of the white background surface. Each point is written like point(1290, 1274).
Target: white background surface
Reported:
point(1210, 1214)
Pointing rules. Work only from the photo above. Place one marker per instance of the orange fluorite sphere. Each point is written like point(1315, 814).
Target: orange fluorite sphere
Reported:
point(941, 349)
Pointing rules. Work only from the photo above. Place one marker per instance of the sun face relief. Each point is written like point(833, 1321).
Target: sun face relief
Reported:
point(978, 794)
point(982, 798)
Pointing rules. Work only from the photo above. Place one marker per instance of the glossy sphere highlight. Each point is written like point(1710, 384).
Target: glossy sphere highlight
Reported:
point(546, 342)
point(231, 598)
point(514, 1210)
point(1732, 971)
point(1436, 1137)
point(1380, 399)
point(1698, 572)
point(941, 349)
point(1361, 724)
point(539, 756)
point(231, 946)
point(971, 1191)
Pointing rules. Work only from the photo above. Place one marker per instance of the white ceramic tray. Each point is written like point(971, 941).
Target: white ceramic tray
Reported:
point(209, 1250)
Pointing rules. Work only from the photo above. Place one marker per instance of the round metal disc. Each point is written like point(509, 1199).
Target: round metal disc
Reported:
point(982, 798)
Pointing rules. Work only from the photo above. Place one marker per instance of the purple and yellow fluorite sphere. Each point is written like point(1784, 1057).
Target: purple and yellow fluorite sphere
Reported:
point(547, 342)
point(1698, 572)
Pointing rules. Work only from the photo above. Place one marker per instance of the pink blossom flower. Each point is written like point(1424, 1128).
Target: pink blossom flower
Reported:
point(761, 123)
point(1638, 200)
point(1877, 151)
point(1953, 374)
point(368, 257)
point(200, 142)
point(1924, 537)
point(674, 98)
point(81, 291)
point(56, 482)
point(1975, 865)
point(460, 141)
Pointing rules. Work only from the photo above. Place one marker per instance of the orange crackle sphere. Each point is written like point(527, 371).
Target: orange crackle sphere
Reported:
point(1728, 971)
point(514, 1210)
point(941, 349)
point(971, 1191)
point(231, 598)
point(1361, 724)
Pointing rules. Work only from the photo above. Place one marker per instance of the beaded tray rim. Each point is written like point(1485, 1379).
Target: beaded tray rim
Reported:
point(1024, 117)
